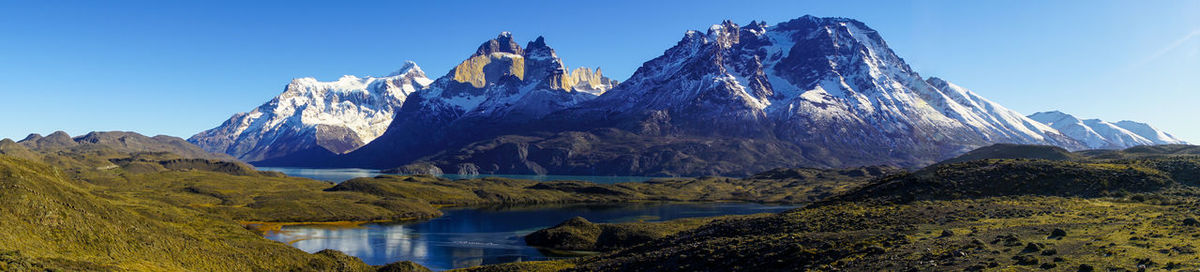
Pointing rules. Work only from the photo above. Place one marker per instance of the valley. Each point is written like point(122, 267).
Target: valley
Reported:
point(807, 144)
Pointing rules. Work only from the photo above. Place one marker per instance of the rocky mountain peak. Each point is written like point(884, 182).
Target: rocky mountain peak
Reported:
point(496, 59)
point(539, 42)
point(503, 43)
point(725, 34)
point(410, 70)
point(538, 50)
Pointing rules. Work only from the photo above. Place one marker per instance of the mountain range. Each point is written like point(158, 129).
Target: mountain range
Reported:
point(313, 117)
point(731, 100)
point(1098, 134)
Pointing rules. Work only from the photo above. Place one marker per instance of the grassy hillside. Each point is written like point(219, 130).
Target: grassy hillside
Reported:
point(52, 222)
point(1074, 213)
point(985, 178)
point(1010, 233)
point(580, 234)
point(1015, 151)
point(780, 186)
point(85, 204)
point(91, 206)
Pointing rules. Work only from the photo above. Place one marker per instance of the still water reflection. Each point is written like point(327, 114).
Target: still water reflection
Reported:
point(466, 237)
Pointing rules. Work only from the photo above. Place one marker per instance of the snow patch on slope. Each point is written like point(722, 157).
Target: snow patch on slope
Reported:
point(362, 107)
point(1096, 133)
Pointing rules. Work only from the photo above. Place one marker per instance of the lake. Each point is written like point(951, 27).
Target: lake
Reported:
point(343, 174)
point(466, 237)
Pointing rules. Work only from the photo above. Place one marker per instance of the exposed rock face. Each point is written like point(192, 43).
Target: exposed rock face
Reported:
point(498, 90)
point(824, 81)
point(313, 119)
point(1098, 134)
point(810, 92)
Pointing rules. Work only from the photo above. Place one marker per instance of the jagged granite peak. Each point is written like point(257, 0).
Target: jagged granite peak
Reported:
point(313, 116)
point(500, 80)
point(495, 60)
point(490, 92)
point(810, 92)
point(543, 63)
point(503, 43)
point(1098, 134)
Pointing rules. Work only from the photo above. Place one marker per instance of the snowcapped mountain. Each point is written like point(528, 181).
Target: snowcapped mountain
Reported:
point(316, 118)
point(830, 82)
point(824, 92)
point(496, 90)
point(1150, 133)
point(1099, 134)
point(732, 100)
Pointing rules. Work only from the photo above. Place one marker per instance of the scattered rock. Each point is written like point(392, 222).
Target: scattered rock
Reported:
point(1191, 222)
point(1007, 240)
point(1086, 268)
point(947, 233)
point(1048, 266)
point(1025, 260)
point(1049, 252)
point(1186, 249)
point(1057, 233)
point(1032, 247)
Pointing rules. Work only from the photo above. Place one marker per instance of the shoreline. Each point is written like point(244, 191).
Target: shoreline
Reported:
point(264, 227)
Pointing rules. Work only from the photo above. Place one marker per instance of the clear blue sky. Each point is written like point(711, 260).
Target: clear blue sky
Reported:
point(176, 68)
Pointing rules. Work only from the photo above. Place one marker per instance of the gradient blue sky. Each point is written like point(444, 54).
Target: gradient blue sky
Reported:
point(176, 68)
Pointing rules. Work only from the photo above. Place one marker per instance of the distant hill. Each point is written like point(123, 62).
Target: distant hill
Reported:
point(1143, 151)
point(120, 141)
point(1015, 151)
point(1009, 170)
point(1006, 177)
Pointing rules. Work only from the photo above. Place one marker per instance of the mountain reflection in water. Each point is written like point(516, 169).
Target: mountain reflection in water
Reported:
point(466, 237)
